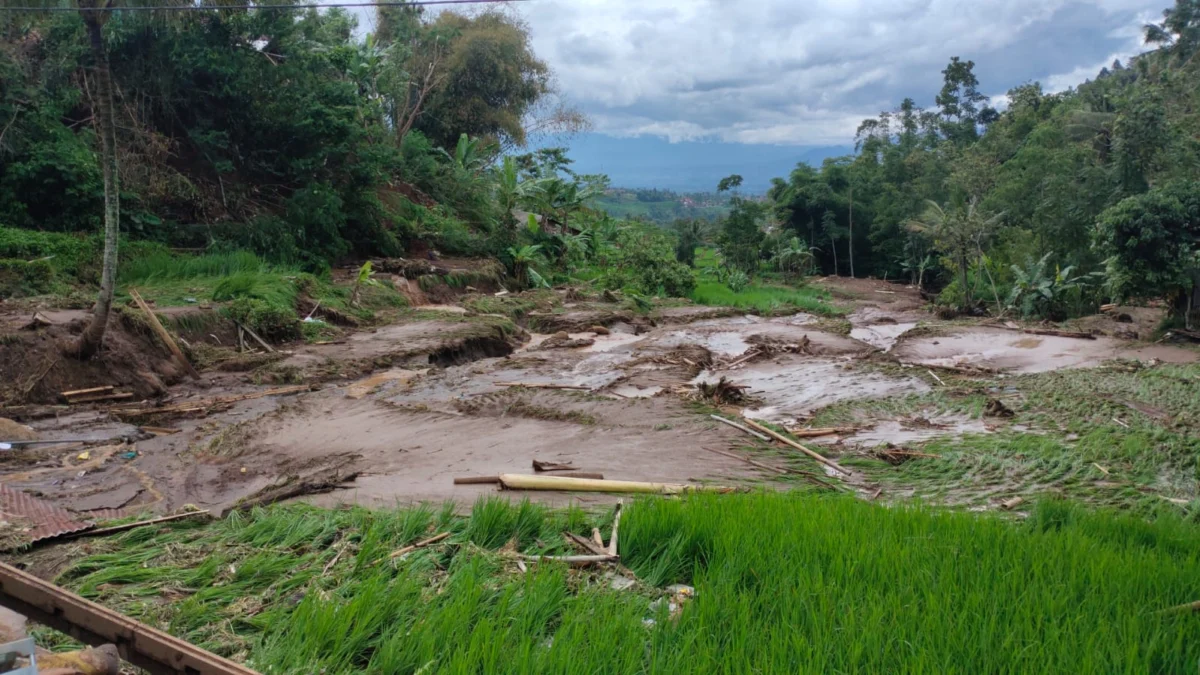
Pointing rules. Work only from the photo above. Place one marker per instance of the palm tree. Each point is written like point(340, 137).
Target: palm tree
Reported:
point(960, 233)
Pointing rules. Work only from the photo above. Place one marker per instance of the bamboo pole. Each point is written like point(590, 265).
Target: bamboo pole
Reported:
point(787, 441)
point(612, 541)
point(420, 544)
point(514, 481)
point(735, 425)
point(163, 334)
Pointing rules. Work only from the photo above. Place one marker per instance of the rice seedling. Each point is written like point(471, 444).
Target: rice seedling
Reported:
point(785, 582)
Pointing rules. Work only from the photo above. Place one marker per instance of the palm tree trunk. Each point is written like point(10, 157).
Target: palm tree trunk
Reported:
point(93, 336)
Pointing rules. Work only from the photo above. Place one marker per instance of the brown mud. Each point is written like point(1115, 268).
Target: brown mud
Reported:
point(406, 407)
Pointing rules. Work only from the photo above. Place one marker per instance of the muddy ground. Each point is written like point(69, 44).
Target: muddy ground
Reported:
point(397, 411)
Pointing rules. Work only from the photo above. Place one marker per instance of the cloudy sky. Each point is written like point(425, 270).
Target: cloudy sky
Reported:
point(806, 72)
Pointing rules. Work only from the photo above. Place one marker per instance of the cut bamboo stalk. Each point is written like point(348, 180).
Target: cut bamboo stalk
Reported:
point(515, 481)
point(129, 526)
point(934, 376)
point(574, 559)
point(420, 544)
point(87, 392)
point(1180, 609)
point(597, 538)
point(163, 334)
point(749, 461)
point(612, 542)
point(787, 441)
point(825, 431)
point(1013, 503)
point(483, 480)
point(735, 425)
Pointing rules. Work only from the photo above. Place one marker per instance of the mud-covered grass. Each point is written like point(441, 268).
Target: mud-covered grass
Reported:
point(1114, 436)
point(785, 582)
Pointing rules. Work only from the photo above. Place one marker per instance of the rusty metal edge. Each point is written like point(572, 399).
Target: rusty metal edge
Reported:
point(48, 520)
point(95, 625)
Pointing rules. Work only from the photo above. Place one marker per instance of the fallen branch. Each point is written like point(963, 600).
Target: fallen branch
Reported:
point(87, 392)
point(753, 354)
point(129, 526)
point(934, 376)
point(205, 404)
point(159, 431)
point(512, 481)
point(95, 398)
point(420, 544)
point(735, 425)
point(1102, 469)
point(760, 465)
point(612, 541)
point(787, 441)
point(163, 334)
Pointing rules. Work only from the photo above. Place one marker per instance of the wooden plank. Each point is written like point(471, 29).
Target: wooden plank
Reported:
point(163, 334)
point(137, 643)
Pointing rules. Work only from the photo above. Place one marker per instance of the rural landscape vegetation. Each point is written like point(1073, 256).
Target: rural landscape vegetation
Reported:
point(417, 395)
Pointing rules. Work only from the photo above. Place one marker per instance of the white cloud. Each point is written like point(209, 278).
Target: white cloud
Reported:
point(784, 71)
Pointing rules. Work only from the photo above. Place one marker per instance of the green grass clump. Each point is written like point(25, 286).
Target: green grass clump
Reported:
point(785, 582)
point(161, 264)
point(765, 298)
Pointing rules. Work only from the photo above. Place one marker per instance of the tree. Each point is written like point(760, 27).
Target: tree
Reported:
point(1153, 241)
point(732, 182)
point(741, 238)
point(961, 233)
point(90, 341)
point(691, 234)
point(960, 101)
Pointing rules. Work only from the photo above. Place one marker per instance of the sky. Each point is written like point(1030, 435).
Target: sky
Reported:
point(682, 91)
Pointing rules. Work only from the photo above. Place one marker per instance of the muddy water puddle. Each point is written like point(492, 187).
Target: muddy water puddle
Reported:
point(907, 431)
point(882, 336)
point(1023, 353)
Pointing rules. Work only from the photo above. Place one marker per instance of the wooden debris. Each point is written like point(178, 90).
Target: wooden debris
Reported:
point(542, 385)
point(159, 431)
point(1010, 504)
point(875, 495)
point(257, 339)
point(540, 466)
point(95, 398)
point(129, 526)
point(1120, 422)
point(163, 334)
point(749, 461)
point(482, 480)
point(328, 342)
point(787, 441)
point(723, 391)
point(1102, 469)
point(971, 370)
point(420, 544)
point(996, 408)
point(512, 481)
point(934, 376)
point(1182, 609)
point(825, 431)
point(37, 321)
point(612, 541)
point(205, 405)
point(87, 392)
point(735, 425)
point(587, 544)
point(1079, 335)
point(1175, 500)
point(1108, 308)
point(895, 456)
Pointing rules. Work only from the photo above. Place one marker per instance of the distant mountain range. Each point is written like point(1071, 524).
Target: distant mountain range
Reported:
point(690, 166)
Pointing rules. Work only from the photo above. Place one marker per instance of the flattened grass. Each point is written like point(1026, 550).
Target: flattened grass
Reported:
point(786, 582)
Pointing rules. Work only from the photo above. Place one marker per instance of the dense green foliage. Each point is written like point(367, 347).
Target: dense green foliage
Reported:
point(296, 588)
point(1018, 187)
point(341, 158)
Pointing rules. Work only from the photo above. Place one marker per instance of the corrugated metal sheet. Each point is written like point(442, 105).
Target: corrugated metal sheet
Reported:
point(34, 518)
